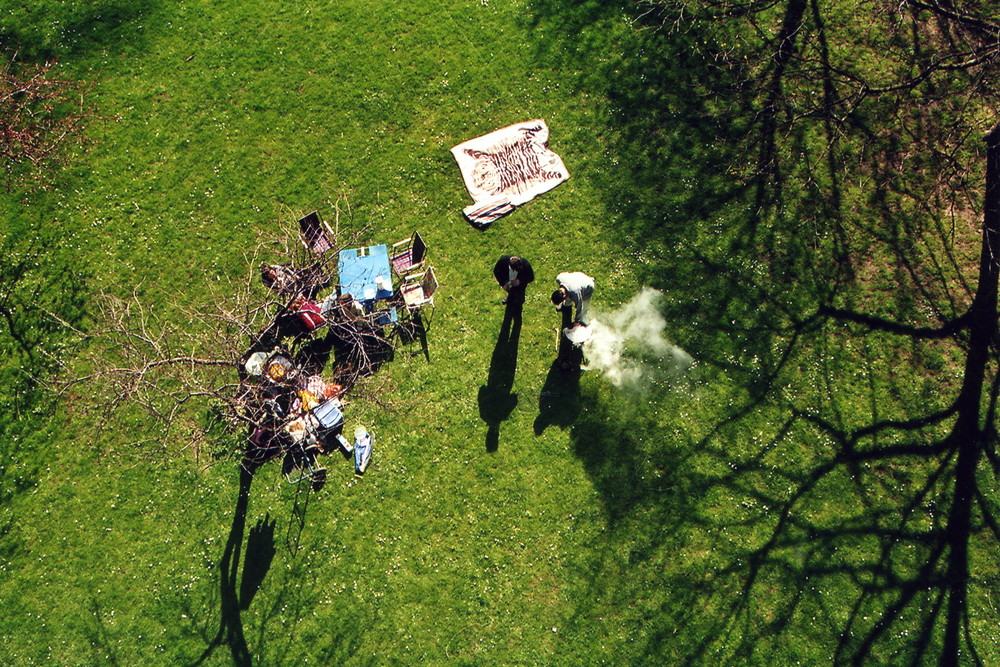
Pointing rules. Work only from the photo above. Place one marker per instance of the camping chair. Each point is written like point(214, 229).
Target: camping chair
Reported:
point(316, 234)
point(408, 254)
point(300, 464)
point(418, 291)
point(300, 319)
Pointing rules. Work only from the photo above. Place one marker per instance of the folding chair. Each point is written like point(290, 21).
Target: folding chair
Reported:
point(300, 464)
point(299, 320)
point(418, 291)
point(316, 234)
point(408, 254)
point(310, 436)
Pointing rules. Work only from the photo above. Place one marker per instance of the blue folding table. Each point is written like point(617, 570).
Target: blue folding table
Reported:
point(365, 273)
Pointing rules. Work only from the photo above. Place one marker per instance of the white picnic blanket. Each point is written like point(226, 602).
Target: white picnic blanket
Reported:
point(508, 167)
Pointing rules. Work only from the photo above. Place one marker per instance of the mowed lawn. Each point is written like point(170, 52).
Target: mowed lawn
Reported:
point(615, 529)
point(220, 119)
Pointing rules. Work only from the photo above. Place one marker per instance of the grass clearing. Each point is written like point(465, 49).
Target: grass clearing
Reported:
point(702, 521)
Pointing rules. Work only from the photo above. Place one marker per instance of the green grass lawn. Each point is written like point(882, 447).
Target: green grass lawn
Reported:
point(684, 524)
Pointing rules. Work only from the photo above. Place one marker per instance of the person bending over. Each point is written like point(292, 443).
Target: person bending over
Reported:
point(574, 287)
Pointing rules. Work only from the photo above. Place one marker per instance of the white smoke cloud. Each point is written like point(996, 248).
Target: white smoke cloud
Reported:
point(629, 347)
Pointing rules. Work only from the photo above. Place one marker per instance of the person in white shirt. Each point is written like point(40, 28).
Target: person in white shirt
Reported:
point(575, 287)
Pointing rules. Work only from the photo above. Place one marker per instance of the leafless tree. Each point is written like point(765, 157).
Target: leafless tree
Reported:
point(40, 111)
point(171, 375)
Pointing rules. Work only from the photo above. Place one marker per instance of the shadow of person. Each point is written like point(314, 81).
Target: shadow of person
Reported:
point(231, 622)
point(559, 400)
point(257, 561)
point(496, 400)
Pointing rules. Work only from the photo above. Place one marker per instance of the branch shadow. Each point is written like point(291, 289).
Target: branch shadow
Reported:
point(815, 496)
point(42, 288)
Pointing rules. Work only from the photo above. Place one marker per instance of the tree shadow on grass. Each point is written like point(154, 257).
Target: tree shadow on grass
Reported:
point(58, 30)
point(613, 439)
point(818, 496)
point(293, 596)
point(782, 539)
point(230, 633)
point(101, 639)
point(257, 561)
point(40, 288)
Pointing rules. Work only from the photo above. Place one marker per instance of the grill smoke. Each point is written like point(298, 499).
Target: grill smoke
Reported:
point(628, 346)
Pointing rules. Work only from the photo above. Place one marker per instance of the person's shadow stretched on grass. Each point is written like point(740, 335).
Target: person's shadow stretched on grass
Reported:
point(257, 561)
point(496, 398)
point(559, 401)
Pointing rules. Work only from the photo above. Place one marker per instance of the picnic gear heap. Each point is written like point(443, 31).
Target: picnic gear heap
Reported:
point(507, 168)
point(379, 295)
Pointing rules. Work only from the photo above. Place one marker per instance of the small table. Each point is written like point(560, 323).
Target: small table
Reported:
point(365, 273)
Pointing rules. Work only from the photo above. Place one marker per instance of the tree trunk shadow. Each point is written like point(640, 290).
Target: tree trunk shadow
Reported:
point(836, 493)
point(230, 631)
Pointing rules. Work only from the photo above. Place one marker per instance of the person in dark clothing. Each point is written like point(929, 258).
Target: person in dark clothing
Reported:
point(513, 273)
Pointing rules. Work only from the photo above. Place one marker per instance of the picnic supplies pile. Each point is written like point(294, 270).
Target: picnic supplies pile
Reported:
point(374, 296)
point(292, 414)
point(507, 168)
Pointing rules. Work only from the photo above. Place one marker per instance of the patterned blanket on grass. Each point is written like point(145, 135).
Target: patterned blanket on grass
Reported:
point(506, 168)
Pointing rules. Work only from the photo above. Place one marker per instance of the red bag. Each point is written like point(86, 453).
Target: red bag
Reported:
point(310, 315)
